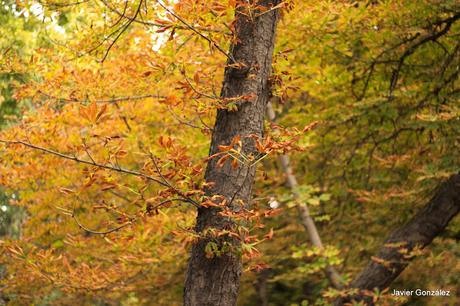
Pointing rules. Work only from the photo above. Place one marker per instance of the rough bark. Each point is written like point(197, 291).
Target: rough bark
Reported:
point(304, 213)
point(215, 281)
point(394, 255)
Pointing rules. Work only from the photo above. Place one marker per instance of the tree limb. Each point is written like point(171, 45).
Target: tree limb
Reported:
point(304, 212)
point(398, 250)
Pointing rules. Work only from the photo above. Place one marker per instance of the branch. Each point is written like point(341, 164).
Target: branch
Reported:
point(86, 229)
point(163, 181)
point(61, 5)
point(304, 212)
point(100, 232)
point(188, 123)
point(113, 100)
point(210, 40)
point(86, 162)
point(196, 90)
point(168, 201)
point(122, 31)
point(167, 183)
point(432, 37)
point(398, 250)
point(158, 25)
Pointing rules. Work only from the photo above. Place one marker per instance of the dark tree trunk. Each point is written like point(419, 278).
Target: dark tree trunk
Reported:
point(215, 281)
point(394, 255)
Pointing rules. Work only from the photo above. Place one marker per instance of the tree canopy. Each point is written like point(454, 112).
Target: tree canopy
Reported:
point(138, 165)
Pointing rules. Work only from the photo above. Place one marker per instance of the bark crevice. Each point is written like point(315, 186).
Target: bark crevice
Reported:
point(215, 281)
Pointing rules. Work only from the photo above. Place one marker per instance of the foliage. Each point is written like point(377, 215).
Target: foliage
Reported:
point(117, 100)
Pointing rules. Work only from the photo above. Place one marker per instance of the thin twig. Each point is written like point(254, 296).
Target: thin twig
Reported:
point(160, 25)
point(113, 100)
point(168, 201)
point(99, 232)
point(87, 162)
point(188, 123)
point(196, 90)
point(60, 5)
point(122, 31)
point(210, 40)
point(167, 183)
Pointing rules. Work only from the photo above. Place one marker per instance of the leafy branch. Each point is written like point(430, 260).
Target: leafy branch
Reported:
point(163, 182)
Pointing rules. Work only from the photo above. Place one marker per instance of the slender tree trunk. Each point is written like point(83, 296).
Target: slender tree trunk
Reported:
point(304, 213)
point(262, 287)
point(215, 281)
point(395, 254)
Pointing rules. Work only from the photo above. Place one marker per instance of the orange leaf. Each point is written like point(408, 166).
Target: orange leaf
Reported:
point(269, 235)
point(101, 112)
point(66, 190)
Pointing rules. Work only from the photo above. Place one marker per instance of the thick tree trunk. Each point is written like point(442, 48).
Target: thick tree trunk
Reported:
point(215, 281)
point(395, 254)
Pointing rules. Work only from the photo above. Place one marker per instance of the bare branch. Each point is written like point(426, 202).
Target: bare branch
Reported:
point(60, 5)
point(188, 123)
point(196, 90)
point(113, 100)
point(168, 201)
point(100, 232)
point(432, 37)
point(87, 162)
point(210, 40)
point(158, 25)
point(122, 31)
point(304, 212)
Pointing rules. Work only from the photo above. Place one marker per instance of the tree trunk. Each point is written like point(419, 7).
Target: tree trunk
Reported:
point(304, 212)
point(215, 281)
point(262, 287)
point(395, 254)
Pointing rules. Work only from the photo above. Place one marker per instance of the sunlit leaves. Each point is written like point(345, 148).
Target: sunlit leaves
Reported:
point(361, 156)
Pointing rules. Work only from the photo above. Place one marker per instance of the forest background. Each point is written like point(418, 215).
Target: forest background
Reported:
point(108, 110)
